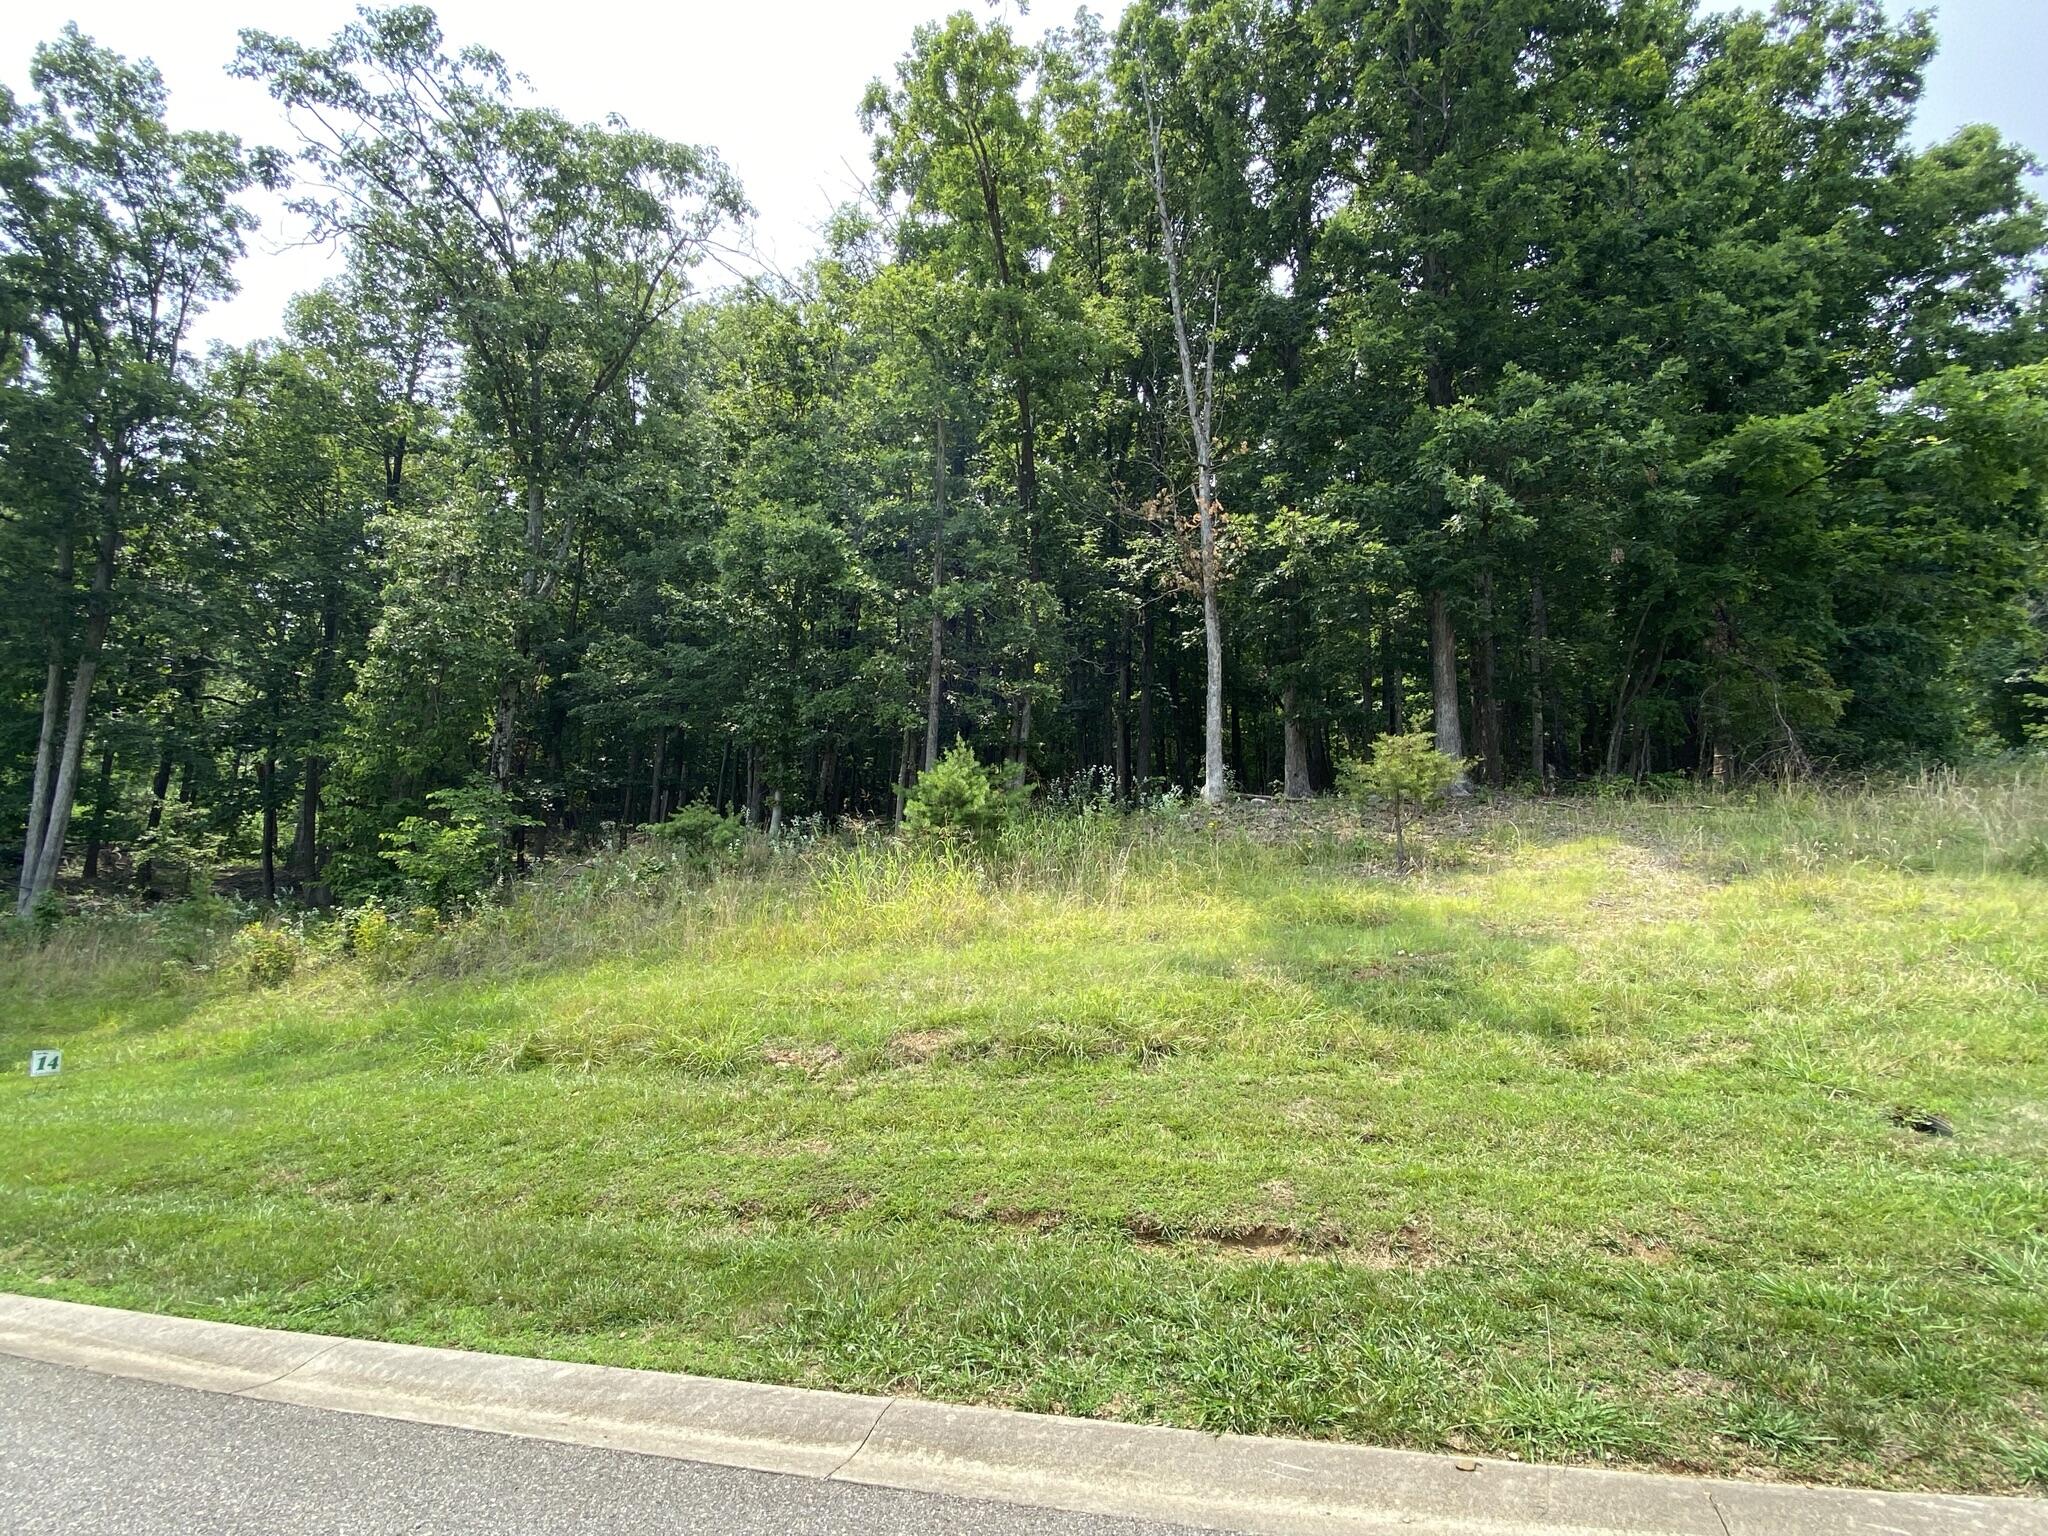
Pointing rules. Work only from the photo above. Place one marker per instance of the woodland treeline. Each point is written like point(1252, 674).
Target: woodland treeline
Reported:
point(1608, 385)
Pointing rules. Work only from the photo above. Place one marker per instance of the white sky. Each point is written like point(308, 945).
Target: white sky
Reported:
point(773, 84)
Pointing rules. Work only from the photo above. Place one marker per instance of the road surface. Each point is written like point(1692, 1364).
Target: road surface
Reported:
point(83, 1454)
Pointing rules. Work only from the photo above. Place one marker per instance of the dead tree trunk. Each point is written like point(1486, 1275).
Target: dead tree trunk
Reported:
point(1201, 405)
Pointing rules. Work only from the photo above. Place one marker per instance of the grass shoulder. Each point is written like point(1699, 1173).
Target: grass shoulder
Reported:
point(1593, 1140)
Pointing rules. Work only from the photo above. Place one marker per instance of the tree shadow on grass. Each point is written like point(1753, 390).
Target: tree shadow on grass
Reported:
point(1382, 958)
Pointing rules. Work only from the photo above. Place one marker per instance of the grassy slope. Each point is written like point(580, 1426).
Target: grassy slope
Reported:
point(1576, 1146)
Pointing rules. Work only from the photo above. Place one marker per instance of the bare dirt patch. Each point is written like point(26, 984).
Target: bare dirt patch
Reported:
point(920, 1046)
point(1016, 1217)
point(809, 1059)
point(1685, 1381)
point(1408, 1246)
point(1270, 1240)
point(842, 1203)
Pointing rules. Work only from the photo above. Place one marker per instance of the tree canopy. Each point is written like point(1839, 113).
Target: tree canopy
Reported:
point(1607, 387)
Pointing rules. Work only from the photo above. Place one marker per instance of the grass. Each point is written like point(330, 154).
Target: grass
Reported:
point(1581, 1145)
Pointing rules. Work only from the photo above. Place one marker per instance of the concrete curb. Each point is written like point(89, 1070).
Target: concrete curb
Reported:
point(1215, 1482)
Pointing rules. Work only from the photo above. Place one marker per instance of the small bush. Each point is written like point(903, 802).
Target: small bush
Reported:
point(701, 835)
point(45, 915)
point(2029, 857)
point(1403, 769)
point(447, 862)
point(264, 954)
point(369, 932)
point(959, 798)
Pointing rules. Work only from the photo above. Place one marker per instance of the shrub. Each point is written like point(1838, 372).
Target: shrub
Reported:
point(264, 954)
point(446, 862)
point(701, 835)
point(1403, 768)
point(367, 931)
point(45, 915)
point(959, 798)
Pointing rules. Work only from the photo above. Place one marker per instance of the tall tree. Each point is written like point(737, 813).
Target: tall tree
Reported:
point(1194, 344)
point(115, 233)
point(963, 139)
point(556, 248)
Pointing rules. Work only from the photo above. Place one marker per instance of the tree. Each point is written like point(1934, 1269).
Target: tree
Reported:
point(555, 247)
point(965, 145)
point(1611, 385)
point(1198, 394)
point(1403, 768)
point(115, 233)
point(960, 798)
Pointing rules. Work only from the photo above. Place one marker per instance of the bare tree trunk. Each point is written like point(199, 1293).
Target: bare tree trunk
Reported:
point(1145, 684)
point(1294, 767)
point(1485, 701)
point(266, 780)
point(906, 766)
point(39, 787)
point(1400, 836)
point(40, 869)
point(50, 855)
point(1443, 684)
point(1539, 642)
point(1201, 405)
point(504, 720)
point(1723, 763)
point(97, 836)
point(934, 687)
point(305, 859)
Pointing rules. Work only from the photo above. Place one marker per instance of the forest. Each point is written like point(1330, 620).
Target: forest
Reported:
point(1613, 388)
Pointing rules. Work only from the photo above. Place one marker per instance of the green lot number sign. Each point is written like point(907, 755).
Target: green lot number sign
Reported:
point(44, 1063)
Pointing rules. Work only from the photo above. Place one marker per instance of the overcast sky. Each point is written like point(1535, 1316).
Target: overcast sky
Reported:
point(773, 84)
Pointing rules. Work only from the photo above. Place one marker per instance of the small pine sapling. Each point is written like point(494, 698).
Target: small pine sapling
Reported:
point(957, 797)
point(1402, 768)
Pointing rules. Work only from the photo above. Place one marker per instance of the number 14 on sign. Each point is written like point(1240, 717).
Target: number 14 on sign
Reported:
point(45, 1063)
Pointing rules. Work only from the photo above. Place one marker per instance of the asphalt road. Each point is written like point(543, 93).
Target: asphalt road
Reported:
point(88, 1455)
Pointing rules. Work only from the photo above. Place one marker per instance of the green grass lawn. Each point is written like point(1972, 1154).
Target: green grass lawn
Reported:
point(1579, 1145)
